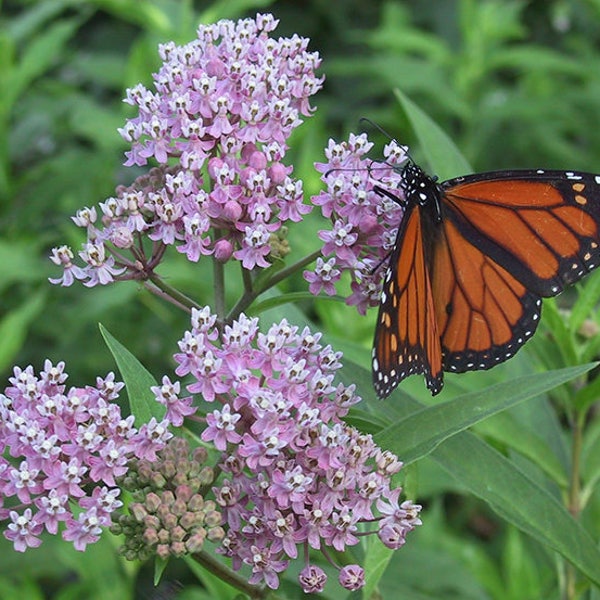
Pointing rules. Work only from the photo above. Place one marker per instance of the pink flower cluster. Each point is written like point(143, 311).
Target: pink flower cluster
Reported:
point(61, 451)
point(363, 223)
point(223, 108)
point(296, 474)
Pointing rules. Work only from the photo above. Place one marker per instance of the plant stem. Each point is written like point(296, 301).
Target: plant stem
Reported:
point(162, 289)
point(224, 573)
point(250, 294)
point(219, 283)
point(281, 275)
point(574, 499)
point(241, 305)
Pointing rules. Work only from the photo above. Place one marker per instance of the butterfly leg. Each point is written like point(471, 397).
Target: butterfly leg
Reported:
point(387, 194)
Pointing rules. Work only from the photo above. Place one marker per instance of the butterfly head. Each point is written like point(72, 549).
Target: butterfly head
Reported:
point(420, 188)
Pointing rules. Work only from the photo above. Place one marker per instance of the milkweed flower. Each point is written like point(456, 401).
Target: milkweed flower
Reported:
point(363, 224)
point(62, 450)
point(295, 475)
point(217, 124)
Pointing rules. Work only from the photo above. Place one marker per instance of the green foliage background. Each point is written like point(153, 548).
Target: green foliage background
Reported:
point(514, 83)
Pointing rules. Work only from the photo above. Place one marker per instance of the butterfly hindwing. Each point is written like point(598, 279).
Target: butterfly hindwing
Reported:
point(407, 340)
point(484, 313)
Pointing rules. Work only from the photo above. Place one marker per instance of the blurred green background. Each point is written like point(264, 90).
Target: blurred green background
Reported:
point(514, 83)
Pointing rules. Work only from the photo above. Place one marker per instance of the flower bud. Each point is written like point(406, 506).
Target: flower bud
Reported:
point(151, 521)
point(169, 469)
point(232, 211)
point(150, 536)
point(223, 250)
point(206, 476)
point(122, 237)
point(158, 481)
point(170, 521)
point(277, 173)
point(152, 502)
point(183, 493)
point(196, 502)
point(164, 536)
point(179, 507)
point(216, 534)
point(257, 161)
point(178, 533)
point(196, 541)
point(138, 511)
point(189, 520)
point(199, 455)
point(178, 549)
point(213, 518)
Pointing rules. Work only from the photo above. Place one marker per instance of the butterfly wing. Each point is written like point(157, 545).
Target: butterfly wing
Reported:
point(484, 313)
point(508, 238)
point(407, 339)
point(542, 226)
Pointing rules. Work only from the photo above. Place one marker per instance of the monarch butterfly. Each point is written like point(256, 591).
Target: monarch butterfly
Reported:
point(473, 256)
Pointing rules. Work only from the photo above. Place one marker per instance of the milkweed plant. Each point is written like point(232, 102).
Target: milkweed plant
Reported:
point(275, 476)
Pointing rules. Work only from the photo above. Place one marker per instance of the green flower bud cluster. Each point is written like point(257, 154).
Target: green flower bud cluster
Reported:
point(168, 515)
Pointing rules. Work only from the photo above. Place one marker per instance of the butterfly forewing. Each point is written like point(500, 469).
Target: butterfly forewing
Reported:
point(540, 225)
point(407, 340)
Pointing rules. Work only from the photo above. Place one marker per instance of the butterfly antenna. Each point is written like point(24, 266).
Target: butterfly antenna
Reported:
point(387, 135)
point(378, 127)
point(368, 168)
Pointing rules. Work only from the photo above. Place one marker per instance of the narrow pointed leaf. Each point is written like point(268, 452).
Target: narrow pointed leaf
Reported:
point(519, 500)
point(138, 381)
point(421, 432)
point(443, 156)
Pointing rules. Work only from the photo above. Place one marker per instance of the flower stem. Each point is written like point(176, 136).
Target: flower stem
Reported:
point(574, 500)
point(216, 567)
point(219, 283)
point(250, 294)
point(165, 291)
point(281, 275)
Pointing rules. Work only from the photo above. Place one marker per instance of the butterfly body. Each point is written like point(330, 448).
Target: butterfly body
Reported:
point(473, 257)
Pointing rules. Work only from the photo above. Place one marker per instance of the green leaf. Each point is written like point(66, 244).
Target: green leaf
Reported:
point(587, 395)
point(265, 274)
point(160, 564)
point(420, 433)
point(19, 263)
point(377, 558)
point(43, 51)
point(520, 569)
point(229, 9)
point(14, 327)
point(215, 586)
point(138, 381)
point(444, 158)
point(561, 351)
point(510, 432)
point(587, 300)
point(93, 122)
point(12, 590)
point(488, 474)
point(519, 500)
